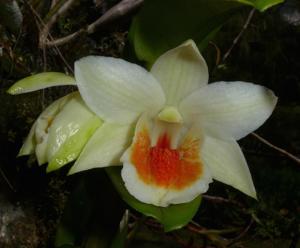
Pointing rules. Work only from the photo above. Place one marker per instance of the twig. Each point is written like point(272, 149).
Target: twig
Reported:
point(243, 233)
point(262, 153)
point(47, 26)
point(44, 56)
point(136, 225)
point(218, 52)
point(214, 235)
point(237, 38)
point(53, 3)
point(55, 47)
point(218, 199)
point(286, 153)
point(204, 231)
point(184, 244)
point(153, 223)
point(6, 180)
point(119, 10)
point(235, 41)
point(62, 6)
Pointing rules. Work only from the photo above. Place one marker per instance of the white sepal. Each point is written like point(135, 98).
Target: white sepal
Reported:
point(29, 144)
point(227, 164)
point(180, 71)
point(104, 148)
point(74, 144)
point(116, 90)
point(74, 120)
point(42, 125)
point(232, 108)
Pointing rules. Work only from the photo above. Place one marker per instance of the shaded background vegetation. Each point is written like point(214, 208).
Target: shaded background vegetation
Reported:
point(32, 202)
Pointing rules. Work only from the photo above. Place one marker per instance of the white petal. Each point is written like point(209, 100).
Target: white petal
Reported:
point(151, 182)
point(104, 148)
point(42, 125)
point(40, 81)
point(227, 164)
point(234, 108)
point(180, 71)
point(116, 90)
point(70, 121)
point(29, 143)
point(41, 150)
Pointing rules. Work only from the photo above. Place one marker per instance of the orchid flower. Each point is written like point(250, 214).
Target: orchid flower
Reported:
point(60, 132)
point(172, 131)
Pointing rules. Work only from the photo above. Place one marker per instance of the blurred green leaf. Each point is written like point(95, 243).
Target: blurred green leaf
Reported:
point(261, 5)
point(92, 214)
point(10, 15)
point(40, 81)
point(162, 25)
point(75, 218)
point(68, 246)
point(172, 217)
point(121, 236)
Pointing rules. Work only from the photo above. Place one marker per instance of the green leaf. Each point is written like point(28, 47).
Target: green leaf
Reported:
point(172, 217)
point(261, 5)
point(92, 213)
point(40, 81)
point(162, 25)
point(64, 236)
point(10, 15)
point(75, 219)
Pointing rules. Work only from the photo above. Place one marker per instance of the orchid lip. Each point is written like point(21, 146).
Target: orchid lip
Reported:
point(164, 161)
point(163, 166)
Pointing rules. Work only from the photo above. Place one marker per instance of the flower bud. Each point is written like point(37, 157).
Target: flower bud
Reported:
point(61, 131)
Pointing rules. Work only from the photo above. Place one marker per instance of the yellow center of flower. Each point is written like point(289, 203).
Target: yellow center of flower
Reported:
point(170, 114)
point(162, 166)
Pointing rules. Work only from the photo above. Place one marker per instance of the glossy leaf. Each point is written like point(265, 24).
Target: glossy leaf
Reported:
point(40, 81)
point(172, 217)
point(162, 25)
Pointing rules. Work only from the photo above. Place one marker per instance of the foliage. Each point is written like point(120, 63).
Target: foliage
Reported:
point(172, 217)
point(11, 15)
point(162, 25)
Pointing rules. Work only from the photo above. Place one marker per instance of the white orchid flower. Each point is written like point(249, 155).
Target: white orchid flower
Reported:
point(61, 131)
point(185, 130)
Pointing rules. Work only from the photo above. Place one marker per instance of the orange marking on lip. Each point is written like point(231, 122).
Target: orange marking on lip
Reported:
point(165, 167)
